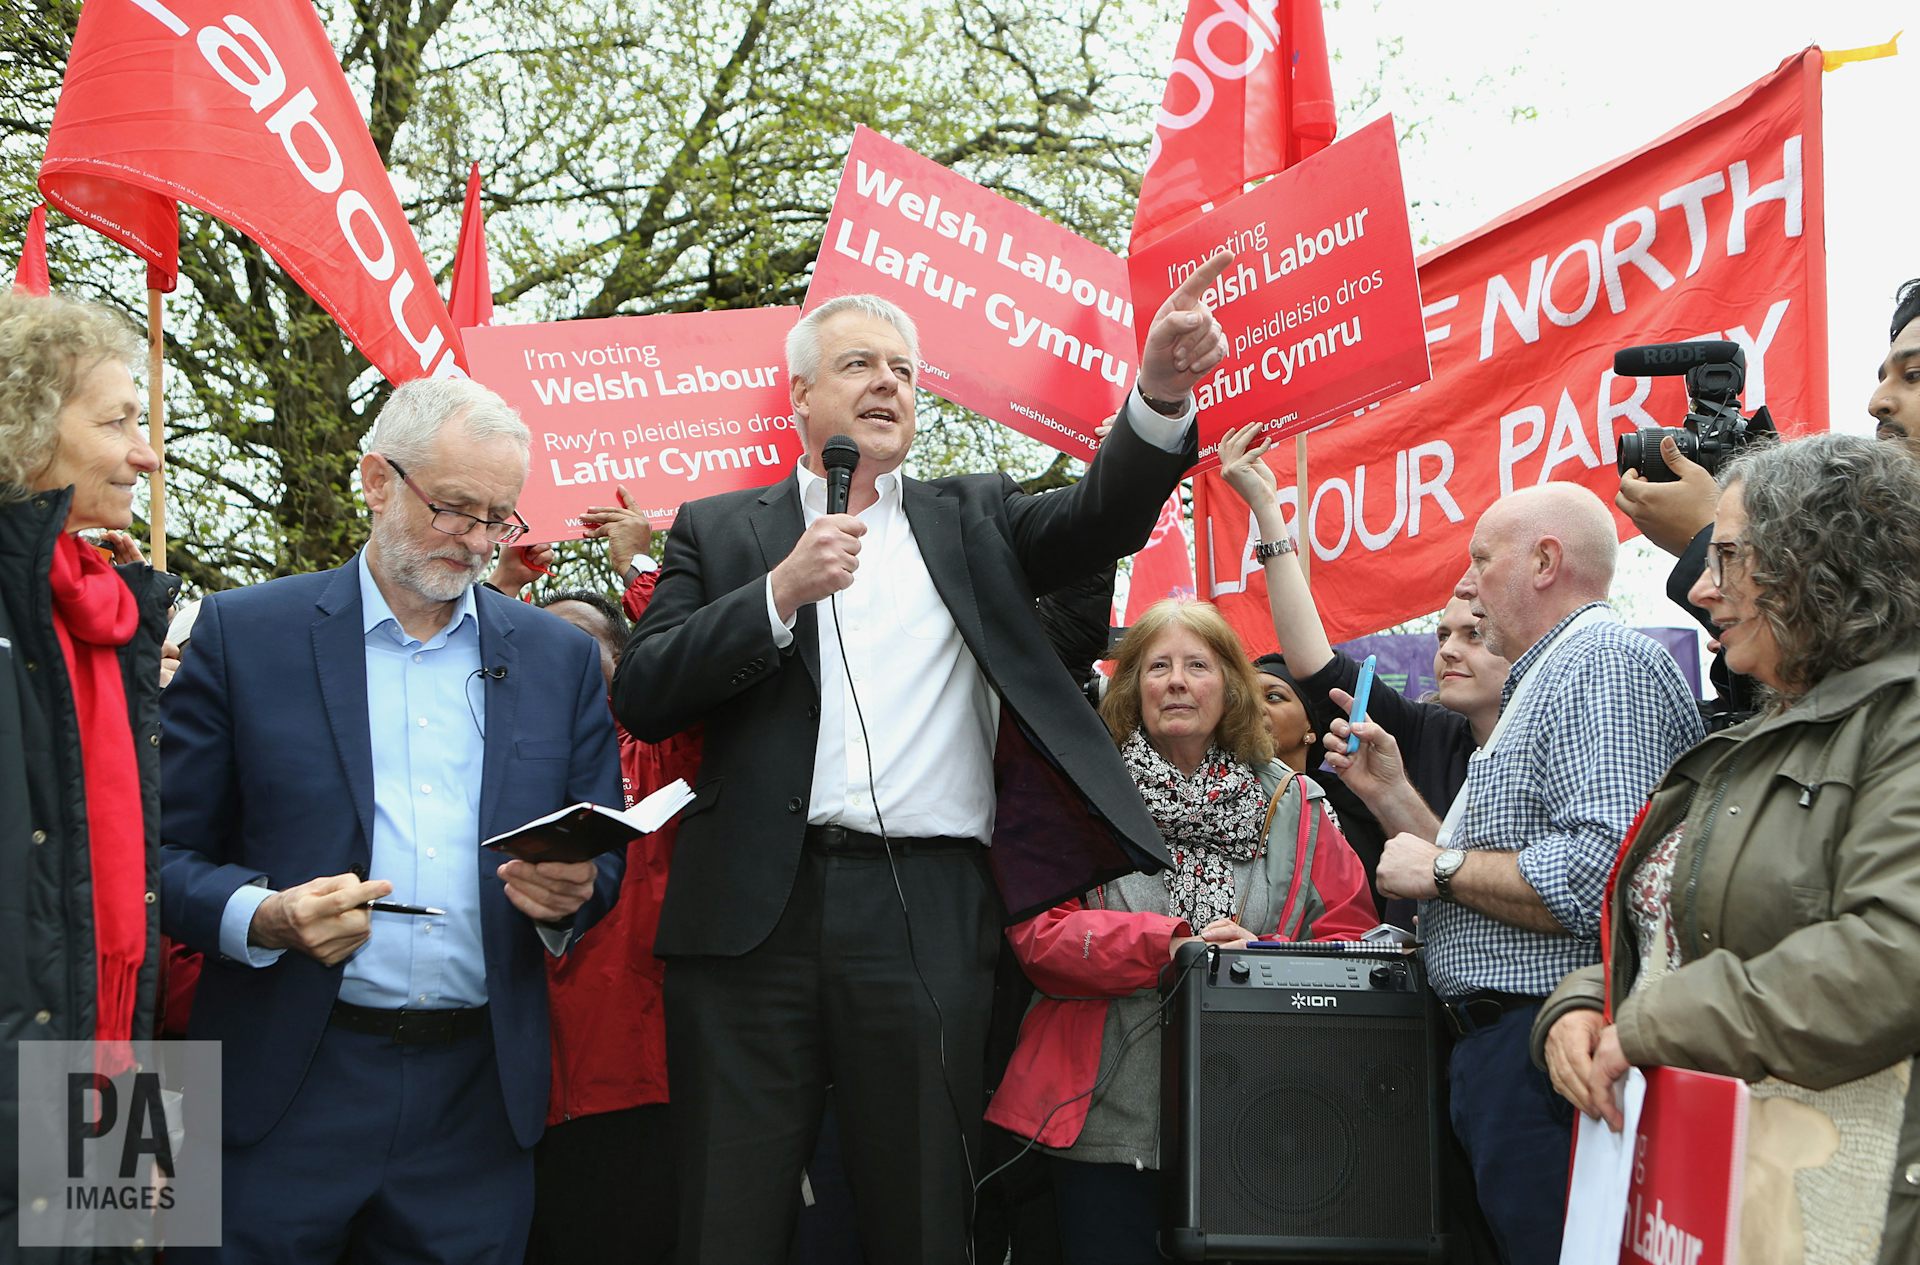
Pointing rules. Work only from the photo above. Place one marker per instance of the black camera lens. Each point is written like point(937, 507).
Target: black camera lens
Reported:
point(1640, 452)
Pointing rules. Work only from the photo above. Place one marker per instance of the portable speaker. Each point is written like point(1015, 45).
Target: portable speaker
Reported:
point(1300, 1106)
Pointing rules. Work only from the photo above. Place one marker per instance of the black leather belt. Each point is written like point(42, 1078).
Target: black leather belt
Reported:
point(839, 841)
point(411, 1027)
point(1474, 1011)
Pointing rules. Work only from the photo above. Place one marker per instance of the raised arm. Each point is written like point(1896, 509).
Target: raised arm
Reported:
point(1296, 620)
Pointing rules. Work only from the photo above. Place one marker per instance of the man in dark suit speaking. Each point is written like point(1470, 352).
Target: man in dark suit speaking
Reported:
point(350, 737)
point(889, 739)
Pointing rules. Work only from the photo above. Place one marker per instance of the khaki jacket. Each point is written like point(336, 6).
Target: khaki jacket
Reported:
point(1796, 897)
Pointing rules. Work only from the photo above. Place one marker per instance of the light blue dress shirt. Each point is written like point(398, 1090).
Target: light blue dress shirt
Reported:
point(426, 708)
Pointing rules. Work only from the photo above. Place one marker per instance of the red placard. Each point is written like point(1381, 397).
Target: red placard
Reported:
point(1321, 307)
point(1689, 1160)
point(1712, 231)
point(670, 407)
point(1019, 319)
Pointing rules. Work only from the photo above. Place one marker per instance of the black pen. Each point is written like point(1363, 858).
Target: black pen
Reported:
point(392, 907)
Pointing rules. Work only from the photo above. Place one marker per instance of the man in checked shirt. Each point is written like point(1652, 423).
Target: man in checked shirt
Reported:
point(1510, 881)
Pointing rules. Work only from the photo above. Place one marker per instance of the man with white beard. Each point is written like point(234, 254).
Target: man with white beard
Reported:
point(333, 752)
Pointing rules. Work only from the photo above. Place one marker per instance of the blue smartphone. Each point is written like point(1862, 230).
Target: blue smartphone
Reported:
point(1361, 693)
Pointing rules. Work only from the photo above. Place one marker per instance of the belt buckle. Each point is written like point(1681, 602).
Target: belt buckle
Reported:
point(415, 1026)
point(1472, 1014)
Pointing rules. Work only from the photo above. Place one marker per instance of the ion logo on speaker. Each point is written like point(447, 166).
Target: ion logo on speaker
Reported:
point(1308, 1001)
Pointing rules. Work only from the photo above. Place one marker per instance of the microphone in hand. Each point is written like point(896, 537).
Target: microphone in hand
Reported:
point(839, 456)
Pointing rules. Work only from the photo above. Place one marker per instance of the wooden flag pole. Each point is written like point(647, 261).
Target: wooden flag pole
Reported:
point(156, 432)
point(1300, 520)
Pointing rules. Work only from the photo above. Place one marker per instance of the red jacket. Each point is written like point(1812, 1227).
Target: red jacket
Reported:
point(1087, 954)
point(609, 1031)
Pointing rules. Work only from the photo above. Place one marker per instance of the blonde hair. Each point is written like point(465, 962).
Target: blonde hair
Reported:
point(47, 345)
point(1242, 732)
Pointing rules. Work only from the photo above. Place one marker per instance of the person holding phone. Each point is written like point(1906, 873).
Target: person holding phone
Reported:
point(1510, 880)
point(1253, 856)
point(1436, 738)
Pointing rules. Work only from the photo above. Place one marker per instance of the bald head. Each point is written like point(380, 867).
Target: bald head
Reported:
point(1537, 555)
point(1571, 515)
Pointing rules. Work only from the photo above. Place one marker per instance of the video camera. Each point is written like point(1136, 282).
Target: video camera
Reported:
point(1713, 429)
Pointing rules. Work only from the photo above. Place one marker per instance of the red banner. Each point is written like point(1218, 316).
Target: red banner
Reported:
point(1713, 231)
point(1320, 307)
point(1162, 568)
point(1020, 319)
point(251, 120)
point(470, 291)
point(31, 276)
point(670, 407)
point(1249, 94)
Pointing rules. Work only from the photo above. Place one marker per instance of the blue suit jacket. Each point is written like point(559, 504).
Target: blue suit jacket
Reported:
point(267, 773)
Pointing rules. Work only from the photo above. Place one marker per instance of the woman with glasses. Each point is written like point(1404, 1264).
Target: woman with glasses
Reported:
point(1766, 910)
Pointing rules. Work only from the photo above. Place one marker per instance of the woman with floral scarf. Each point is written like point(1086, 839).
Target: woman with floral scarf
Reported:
point(1254, 856)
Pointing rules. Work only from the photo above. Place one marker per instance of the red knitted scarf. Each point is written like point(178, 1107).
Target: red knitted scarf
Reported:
point(94, 614)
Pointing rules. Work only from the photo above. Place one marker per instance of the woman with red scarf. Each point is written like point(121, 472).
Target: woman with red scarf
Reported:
point(79, 697)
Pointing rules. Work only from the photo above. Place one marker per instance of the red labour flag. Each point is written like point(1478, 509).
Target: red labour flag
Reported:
point(470, 293)
point(1713, 231)
point(1249, 95)
point(31, 276)
point(250, 119)
point(1163, 568)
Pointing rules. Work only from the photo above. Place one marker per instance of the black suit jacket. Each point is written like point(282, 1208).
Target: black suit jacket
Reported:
point(1068, 815)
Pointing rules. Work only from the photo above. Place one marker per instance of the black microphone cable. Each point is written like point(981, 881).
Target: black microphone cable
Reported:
point(1127, 1040)
point(939, 1018)
point(496, 673)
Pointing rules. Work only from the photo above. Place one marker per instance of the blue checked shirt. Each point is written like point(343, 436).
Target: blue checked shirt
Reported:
point(1595, 735)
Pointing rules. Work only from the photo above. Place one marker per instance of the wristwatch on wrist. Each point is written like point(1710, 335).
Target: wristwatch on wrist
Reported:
point(1166, 408)
point(1274, 548)
point(1445, 866)
point(639, 565)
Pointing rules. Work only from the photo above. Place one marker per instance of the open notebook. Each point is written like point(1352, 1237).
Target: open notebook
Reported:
point(582, 832)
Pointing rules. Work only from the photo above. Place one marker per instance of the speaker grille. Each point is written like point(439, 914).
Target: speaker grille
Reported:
point(1313, 1126)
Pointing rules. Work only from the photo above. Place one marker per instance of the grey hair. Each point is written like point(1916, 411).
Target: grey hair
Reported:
point(1833, 549)
point(47, 345)
point(417, 411)
point(803, 340)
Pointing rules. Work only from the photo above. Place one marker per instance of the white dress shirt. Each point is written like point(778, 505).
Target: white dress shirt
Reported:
point(931, 718)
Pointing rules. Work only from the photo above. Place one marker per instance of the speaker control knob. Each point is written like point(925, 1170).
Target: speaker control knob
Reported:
point(1381, 976)
point(1239, 972)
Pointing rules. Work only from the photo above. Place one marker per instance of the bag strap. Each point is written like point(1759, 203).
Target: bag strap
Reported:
point(1307, 840)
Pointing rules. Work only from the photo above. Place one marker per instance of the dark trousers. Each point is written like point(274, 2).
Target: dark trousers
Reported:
point(387, 1153)
point(827, 1232)
point(603, 1190)
point(831, 996)
point(1517, 1133)
point(1016, 1219)
point(1109, 1213)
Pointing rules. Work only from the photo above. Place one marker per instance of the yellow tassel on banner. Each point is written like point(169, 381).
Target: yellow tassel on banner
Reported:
point(1833, 59)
